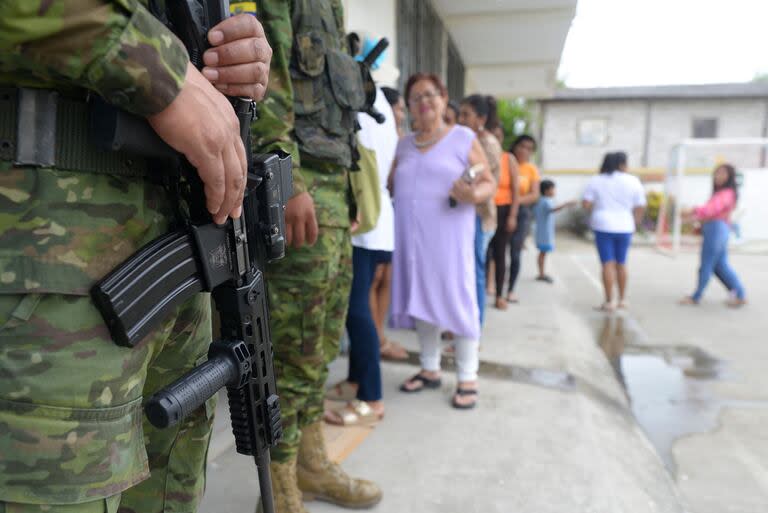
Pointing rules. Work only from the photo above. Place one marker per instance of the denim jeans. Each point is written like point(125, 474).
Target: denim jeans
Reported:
point(364, 356)
point(714, 259)
point(482, 240)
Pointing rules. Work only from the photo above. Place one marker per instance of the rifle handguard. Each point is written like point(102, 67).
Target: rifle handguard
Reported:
point(228, 365)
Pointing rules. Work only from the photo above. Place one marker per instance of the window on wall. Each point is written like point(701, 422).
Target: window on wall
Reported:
point(592, 132)
point(704, 128)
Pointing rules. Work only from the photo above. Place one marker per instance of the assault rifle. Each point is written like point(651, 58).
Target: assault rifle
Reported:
point(226, 260)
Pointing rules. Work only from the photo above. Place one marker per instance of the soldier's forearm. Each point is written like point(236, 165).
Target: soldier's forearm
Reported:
point(123, 52)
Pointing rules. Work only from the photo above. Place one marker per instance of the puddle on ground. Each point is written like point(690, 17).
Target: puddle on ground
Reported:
point(669, 387)
point(519, 374)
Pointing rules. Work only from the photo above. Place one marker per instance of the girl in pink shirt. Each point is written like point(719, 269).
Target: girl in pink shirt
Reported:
point(715, 217)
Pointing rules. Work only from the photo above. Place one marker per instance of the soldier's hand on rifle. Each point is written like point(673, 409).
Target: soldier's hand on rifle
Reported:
point(201, 124)
point(238, 63)
point(300, 221)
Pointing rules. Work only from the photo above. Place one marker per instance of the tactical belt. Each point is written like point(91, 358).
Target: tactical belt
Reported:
point(42, 128)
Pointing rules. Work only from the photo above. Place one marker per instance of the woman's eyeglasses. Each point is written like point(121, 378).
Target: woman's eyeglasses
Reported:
point(429, 95)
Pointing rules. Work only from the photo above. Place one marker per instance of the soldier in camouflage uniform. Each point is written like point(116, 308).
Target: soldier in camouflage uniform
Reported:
point(309, 112)
point(71, 433)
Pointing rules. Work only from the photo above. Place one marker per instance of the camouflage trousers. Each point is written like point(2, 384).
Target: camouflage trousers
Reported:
point(72, 438)
point(309, 295)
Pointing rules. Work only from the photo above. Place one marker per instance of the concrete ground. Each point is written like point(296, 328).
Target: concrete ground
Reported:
point(555, 430)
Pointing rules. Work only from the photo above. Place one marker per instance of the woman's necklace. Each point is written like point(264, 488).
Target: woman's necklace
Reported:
point(425, 144)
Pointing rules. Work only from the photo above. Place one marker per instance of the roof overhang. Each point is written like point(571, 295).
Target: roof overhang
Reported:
point(510, 48)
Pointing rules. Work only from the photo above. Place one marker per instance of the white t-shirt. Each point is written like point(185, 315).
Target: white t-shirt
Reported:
point(383, 140)
point(614, 196)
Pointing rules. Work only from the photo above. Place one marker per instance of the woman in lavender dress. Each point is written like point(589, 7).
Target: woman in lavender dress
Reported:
point(434, 285)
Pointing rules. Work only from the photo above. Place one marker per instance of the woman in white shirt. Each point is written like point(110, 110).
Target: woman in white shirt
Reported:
point(616, 201)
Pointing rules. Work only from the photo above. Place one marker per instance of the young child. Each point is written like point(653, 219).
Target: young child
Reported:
point(544, 212)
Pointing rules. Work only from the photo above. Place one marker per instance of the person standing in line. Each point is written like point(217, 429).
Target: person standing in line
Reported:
point(73, 436)
point(433, 284)
point(715, 217)
point(477, 113)
point(452, 114)
point(370, 251)
point(308, 114)
point(381, 288)
point(523, 149)
point(616, 201)
point(498, 132)
point(395, 100)
point(507, 202)
point(544, 212)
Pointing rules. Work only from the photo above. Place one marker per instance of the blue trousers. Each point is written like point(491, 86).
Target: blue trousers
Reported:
point(482, 240)
point(364, 355)
point(714, 259)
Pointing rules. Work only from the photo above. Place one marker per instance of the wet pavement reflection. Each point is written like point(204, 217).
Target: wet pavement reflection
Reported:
point(669, 387)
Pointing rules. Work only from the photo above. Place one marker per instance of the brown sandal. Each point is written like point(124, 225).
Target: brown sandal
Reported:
point(392, 351)
point(341, 391)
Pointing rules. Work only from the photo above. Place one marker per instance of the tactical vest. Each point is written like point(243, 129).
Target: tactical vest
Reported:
point(327, 84)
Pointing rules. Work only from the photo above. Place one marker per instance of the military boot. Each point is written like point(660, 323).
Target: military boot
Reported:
point(286, 494)
point(320, 478)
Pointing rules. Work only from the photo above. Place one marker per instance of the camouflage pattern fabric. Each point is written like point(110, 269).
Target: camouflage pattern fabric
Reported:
point(272, 130)
point(309, 288)
point(71, 434)
point(70, 408)
point(115, 48)
point(327, 182)
point(309, 294)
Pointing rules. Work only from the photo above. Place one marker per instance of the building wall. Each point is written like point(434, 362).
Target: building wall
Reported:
point(560, 149)
point(672, 121)
point(647, 131)
point(419, 41)
point(426, 46)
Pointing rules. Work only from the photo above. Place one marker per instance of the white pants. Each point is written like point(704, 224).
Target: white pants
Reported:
point(467, 359)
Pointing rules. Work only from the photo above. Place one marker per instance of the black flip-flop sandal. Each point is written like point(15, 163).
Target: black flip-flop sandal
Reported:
point(462, 392)
point(425, 383)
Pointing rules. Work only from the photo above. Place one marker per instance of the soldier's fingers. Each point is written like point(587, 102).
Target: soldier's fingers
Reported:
point(311, 229)
point(248, 73)
point(236, 27)
point(256, 92)
point(288, 233)
point(241, 79)
point(240, 150)
point(241, 51)
point(233, 192)
point(298, 233)
point(212, 175)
